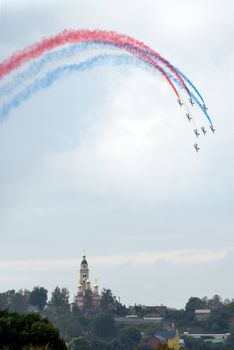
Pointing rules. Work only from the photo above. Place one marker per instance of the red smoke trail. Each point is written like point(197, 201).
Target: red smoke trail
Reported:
point(78, 36)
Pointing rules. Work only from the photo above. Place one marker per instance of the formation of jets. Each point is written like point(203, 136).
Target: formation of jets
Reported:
point(188, 116)
point(204, 131)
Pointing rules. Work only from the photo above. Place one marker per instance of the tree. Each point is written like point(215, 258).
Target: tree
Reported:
point(98, 344)
point(79, 344)
point(19, 302)
point(103, 326)
point(60, 297)
point(215, 302)
point(59, 303)
point(230, 341)
point(130, 337)
point(218, 320)
point(151, 329)
point(116, 344)
point(144, 346)
point(107, 300)
point(17, 331)
point(38, 298)
point(5, 299)
point(193, 304)
point(109, 303)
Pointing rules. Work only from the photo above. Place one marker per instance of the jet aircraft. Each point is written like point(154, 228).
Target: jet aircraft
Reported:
point(203, 130)
point(180, 102)
point(191, 101)
point(212, 128)
point(196, 132)
point(188, 116)
point(196, 147)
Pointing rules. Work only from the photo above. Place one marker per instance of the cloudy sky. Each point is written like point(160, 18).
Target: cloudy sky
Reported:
point(104, 160)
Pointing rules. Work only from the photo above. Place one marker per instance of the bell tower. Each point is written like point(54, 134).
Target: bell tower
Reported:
point(86, 294)
point(84, 270)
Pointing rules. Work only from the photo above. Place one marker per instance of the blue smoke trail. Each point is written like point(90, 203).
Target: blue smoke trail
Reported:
point(190, 83)
point(50, 57)
point(70, 51)
point(59, 72)
point(55, 74)
point(172, 77)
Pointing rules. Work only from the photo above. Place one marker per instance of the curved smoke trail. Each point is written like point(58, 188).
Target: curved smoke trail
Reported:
point(55, 74)
point(67, 52)
point(78, 36)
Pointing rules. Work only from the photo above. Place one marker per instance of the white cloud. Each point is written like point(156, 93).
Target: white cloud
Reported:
point(131, 167)
point(181, 257)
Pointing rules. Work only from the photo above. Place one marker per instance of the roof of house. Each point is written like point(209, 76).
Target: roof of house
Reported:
point(166, 334)
point(202, 311)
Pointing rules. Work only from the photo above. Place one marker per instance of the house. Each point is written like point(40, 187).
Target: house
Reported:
point(202, 314)
point(156, 342)
point(231, 321)
point(171, 336)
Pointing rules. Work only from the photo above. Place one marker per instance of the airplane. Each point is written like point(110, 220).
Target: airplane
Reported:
point(204, 106)
point(191, 101)
point(196, 132)
point(188, 116)
point(196, 147)
point(203, 130)
point(212, 128)
point(180, 102)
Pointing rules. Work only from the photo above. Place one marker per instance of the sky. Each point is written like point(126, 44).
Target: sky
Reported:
point(103, 160)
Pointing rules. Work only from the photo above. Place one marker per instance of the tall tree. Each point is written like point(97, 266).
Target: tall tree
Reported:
point(103, 326)
point(19, 302)
point(60, 299)
point(38, 298)
point(107, 300)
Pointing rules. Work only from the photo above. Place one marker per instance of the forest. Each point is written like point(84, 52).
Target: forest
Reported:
point(31, 320)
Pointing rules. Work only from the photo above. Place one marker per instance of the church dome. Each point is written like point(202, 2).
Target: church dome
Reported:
point(84, 261)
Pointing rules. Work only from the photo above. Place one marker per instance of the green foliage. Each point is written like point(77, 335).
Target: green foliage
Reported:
point(193, 343)
point(193, 304)
point(144, 346)
point(15, 301)
point(99, 344)
point(230, 343)
point(38, 298)
point(130, 337)
point(116, 344)
point(103, 326)
point(218, 320)
point(60, 298)
point(151, 329)
point(109, 303)
point(18, 331)
point(79, 344)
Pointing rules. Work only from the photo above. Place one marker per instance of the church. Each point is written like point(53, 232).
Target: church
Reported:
point(87, 298)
